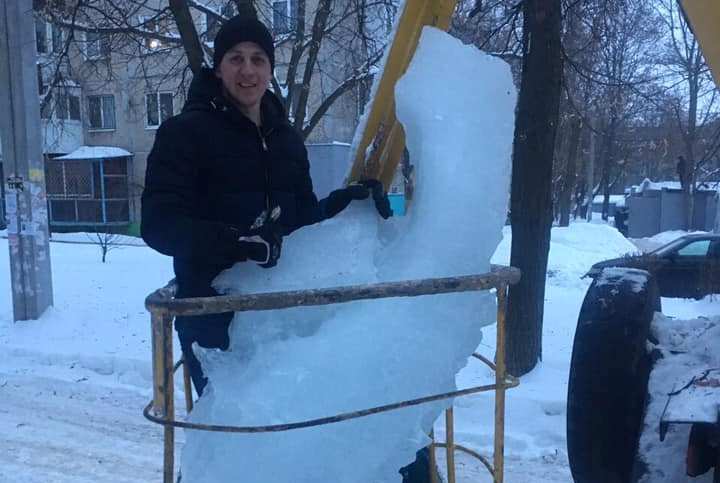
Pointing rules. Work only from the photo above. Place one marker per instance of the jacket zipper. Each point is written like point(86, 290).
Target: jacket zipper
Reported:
point(266, 162)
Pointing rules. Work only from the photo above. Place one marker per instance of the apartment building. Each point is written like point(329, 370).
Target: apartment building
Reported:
point(104, 91)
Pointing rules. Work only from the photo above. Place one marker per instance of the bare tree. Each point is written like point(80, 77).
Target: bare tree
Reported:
point(692, 101)
point(577, 42)
point(105, 240)
point(531, 201)
point(321, 54)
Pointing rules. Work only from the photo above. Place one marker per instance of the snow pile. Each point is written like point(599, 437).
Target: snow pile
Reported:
point(99, 321)
point(647, 185)
point(304, 363)
point(688, 348)
point(574, 249)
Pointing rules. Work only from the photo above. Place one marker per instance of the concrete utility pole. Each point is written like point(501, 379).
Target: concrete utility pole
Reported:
point(22, 152)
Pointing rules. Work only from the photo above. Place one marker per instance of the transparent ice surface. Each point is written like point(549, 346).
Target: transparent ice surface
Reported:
point(457, 106)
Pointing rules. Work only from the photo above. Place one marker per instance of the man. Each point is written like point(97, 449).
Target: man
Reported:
point(229, 157)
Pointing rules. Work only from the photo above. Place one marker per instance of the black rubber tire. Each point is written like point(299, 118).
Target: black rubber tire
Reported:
point(608, 381)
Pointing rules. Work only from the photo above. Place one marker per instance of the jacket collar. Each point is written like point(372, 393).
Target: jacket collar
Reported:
point(205, 94)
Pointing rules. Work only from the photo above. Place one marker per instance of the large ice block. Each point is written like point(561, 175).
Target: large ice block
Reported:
point(457, 106)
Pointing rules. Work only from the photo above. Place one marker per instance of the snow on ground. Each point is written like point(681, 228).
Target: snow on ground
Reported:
point(74, 383)
point(91, 239)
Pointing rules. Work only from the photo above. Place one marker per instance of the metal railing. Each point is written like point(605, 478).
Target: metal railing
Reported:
point(164, 307)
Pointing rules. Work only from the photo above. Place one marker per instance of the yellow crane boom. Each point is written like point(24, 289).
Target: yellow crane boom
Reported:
point(704, 18)
point(382, 140)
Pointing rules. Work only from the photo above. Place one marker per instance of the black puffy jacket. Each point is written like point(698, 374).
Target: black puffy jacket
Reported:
point(210, 169)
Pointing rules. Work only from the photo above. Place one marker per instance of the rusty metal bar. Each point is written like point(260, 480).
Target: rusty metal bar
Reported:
point(157, 362)
point(499, 449)
point(163, 307)
point(450, 443)
point(433, 459)
point(472, 453)
point(168, 401)
point(162, 299)
point(338, 418)
point(188, 386)
point(503, 381)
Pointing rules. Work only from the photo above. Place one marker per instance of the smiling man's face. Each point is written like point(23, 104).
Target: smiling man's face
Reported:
point(245, 73)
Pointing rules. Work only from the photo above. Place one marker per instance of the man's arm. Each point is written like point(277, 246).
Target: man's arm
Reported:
point(171, 222)
point(309, 210)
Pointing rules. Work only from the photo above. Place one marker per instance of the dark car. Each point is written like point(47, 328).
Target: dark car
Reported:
point(688, 267)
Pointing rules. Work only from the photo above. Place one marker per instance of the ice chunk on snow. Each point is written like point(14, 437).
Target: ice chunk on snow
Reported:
point(303, 363)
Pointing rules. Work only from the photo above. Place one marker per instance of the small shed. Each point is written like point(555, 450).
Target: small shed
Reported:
point(655, 207)
point(616, 201)
point(89, 188)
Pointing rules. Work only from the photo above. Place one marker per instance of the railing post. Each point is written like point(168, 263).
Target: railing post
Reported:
point(433, 460)
point(163, 404)
point(499, 450)
point(156, 321)
point(168, 399)
point(188, 386)
point(450, 443)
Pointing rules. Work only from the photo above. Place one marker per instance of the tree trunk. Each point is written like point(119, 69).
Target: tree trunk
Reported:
point(321, 18)
point(690, 140)
point(566, 195)
point(608, 154)
point(590, 175)
point(188, 34)
point(531, 190)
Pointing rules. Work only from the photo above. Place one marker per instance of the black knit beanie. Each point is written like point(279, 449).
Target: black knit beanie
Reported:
point(243, 29)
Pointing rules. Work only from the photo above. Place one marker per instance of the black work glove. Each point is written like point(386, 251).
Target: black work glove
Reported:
point(265, 251)
point(380, 197)
point(339, 199)
point(263, 243)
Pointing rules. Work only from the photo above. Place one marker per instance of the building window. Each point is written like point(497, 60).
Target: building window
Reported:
point(158, 107)
point(41, 36)
point(212, 26)
point(213, 23)
point(101, 112)
point(63, 105)
point(152, 25)
point(74, 107)
point(41, 82)
point(281, 17)
point(46, 108)
point(68, 107)
point(97, 45)
point(57, 38)
point(48, 37)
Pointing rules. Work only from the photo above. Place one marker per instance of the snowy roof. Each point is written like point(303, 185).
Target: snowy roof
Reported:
point(96, 152)
point(617, 200)
point(672, 185)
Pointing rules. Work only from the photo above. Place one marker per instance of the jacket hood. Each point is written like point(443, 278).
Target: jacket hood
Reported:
point(205, 94)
